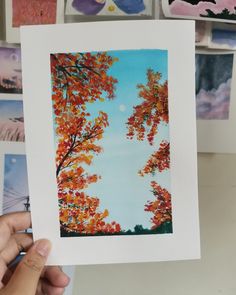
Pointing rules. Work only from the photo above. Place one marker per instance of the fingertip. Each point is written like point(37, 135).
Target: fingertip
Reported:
point(56, 276)
point(66, 280)
point(49, 289)
point(42, 247)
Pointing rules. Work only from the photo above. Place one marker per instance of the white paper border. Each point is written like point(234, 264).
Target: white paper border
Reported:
point(178, 38)
point(12, 33)
point(218, 136)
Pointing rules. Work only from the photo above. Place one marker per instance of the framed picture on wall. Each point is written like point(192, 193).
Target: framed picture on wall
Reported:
point(208, 10)
point(23, 12)
point(110, 7)
point(215, 101)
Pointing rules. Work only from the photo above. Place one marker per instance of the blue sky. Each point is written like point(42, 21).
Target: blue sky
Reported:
point(221, 36)
point(11, 109)
point(121, 190)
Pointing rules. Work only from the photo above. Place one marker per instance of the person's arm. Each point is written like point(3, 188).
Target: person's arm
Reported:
point(30, 276)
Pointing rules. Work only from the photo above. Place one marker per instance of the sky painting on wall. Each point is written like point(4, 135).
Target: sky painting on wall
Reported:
point(11, 121)
point(112, 142)
point(214, 9)
point(15, 189)
point(213, 85)
point(10, 70)
point(223, 36)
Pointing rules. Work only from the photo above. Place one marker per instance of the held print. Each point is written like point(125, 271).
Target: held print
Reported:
point(112, 147)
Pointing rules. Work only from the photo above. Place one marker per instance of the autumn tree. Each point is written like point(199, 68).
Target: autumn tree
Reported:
point(144, 124)
point(153, 110)
point(78, 80)
point(160, 207)
point(159, 160)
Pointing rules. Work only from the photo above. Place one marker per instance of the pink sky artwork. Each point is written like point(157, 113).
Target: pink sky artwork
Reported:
point(200, 31)
point(33, 12)
point(179, 7)
point(215, 103)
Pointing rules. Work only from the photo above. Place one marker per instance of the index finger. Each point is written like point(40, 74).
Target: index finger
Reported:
point(12, 223)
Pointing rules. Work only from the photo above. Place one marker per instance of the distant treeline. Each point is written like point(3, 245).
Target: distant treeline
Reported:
point(165, 228)
point(225, 14)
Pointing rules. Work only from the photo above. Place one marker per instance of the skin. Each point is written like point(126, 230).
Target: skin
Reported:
point(30, 276)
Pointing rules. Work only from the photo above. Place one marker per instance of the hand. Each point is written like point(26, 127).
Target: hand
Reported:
point(29, 277)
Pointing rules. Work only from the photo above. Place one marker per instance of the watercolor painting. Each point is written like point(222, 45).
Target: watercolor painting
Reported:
point(202, 33)
point(10, 70)
point(15, 188)
point(213, 85)
point(112, 146)
point(214, 9)
point(112, 7)
point(223, 36)
point(11, 121)
point(89, 7)
point(33, 12)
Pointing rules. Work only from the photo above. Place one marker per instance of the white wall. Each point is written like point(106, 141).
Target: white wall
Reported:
point(214, 274)
point(1, 21)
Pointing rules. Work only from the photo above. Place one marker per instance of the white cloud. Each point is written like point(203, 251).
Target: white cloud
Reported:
point(214, 104)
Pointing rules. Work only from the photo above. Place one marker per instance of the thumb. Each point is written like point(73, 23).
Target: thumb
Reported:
point(27, 274)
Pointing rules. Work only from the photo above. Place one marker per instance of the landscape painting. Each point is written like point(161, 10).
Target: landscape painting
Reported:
point(112, 145)
point(218, 10)
point(11, 121)
point(223, 36)
point(202, 33)
point(10, 70)
point(33, 12)
point(15, 188)
point(213, 85)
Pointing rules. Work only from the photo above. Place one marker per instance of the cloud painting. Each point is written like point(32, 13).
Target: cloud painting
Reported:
point(10, 70)
point(11, 121)
point(207, 9)
point(224, 37)
point(213, 85)
point(15, 189)
point(112, 146)
point(33, 12)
